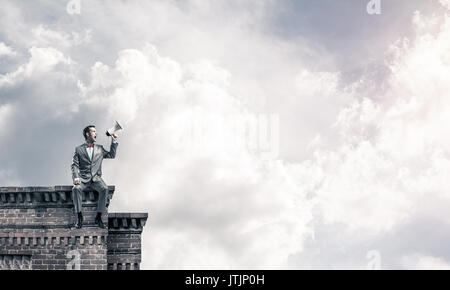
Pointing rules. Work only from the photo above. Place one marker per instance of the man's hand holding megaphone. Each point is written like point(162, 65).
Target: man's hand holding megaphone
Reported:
point(112, 131)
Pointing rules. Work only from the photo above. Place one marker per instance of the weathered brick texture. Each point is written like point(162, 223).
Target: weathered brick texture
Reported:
point(36, 232)
point(124, 240)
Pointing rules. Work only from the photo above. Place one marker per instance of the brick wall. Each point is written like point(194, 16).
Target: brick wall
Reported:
point(57, 250)
point(44, 207)
point(36, 232)
point(124, 240)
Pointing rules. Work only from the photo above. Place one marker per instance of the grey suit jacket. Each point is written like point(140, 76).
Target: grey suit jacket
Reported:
point(85, 168)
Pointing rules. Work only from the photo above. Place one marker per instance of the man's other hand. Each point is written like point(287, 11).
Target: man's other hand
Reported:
point(114, 136)
point(77, 181)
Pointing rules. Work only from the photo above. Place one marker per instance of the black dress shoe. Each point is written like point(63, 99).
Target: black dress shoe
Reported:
point(79, 223)
point(99, 222)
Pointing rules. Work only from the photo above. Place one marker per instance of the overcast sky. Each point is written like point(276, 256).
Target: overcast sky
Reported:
point(258, 134)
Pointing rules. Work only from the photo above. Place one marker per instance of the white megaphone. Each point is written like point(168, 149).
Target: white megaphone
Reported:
point(114, 129)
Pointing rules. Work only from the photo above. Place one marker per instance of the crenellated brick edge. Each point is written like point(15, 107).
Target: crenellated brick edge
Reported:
point(119, 222)
point(124, 240)
point(54, 240)
point(56, 188)
point(54, 196)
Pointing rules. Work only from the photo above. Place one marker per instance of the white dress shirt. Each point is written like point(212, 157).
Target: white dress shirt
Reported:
point(90, 150)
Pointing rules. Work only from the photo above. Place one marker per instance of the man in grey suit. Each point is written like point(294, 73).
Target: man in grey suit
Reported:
point(87, 173)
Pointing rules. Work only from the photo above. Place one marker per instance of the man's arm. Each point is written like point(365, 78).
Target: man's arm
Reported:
point(112, 151)
point(75, 168)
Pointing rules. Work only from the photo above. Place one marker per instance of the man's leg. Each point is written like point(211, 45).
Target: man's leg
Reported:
point(77, 197)
point(102, 189)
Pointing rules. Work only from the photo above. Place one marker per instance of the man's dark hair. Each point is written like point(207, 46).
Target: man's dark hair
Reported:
point(87, 130)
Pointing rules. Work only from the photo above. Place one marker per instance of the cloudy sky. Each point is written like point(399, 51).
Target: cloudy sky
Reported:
point(258, 134)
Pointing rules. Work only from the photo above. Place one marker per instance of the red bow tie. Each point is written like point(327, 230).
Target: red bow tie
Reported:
point(90, 145)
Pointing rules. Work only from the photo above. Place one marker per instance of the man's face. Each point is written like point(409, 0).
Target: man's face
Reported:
point(92, 135)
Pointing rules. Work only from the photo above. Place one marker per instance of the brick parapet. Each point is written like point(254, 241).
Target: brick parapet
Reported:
point(36, 231)
point(48, 197)
point(124, 240)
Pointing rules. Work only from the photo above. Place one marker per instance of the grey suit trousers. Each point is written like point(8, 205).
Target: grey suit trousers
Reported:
point(99, 186)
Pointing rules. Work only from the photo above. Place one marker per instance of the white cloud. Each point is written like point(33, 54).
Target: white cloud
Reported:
point(6, 51)
point(445, 3)
point(42, 60)
point(421, 262)
point(44, 36)
point(394, 150)
point(5, 113)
